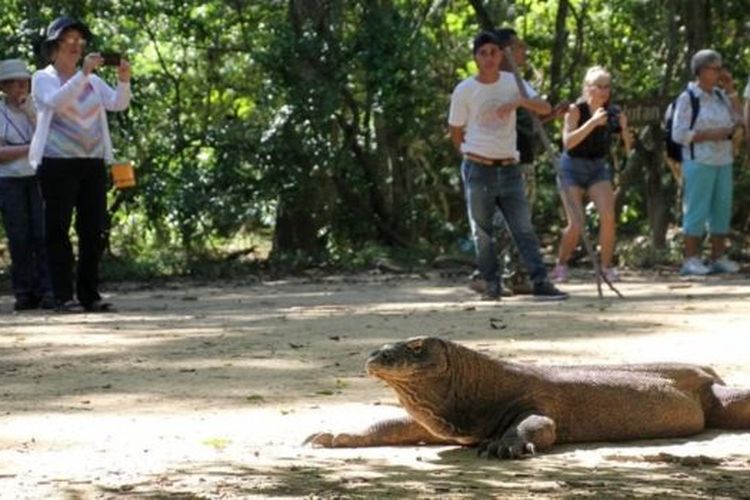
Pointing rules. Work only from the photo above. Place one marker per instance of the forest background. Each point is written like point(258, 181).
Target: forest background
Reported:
point(285, 134)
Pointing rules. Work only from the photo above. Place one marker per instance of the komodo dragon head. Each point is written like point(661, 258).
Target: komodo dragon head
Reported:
point(426, 372)
point(412, 359)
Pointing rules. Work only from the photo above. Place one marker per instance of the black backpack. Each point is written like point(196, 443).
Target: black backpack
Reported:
point(674, 149)
point(525, 142)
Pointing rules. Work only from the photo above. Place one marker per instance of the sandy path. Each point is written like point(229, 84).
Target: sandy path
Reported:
point(206, 391)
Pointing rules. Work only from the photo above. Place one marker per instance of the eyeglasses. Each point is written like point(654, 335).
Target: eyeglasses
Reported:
point(714, 67)
point(602, 86)
point(73, 40)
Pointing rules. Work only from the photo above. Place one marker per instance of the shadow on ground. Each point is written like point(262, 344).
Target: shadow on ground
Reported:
point(458, 473)
point(164, 338)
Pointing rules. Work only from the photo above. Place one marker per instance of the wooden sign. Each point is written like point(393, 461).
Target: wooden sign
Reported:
point(644, 111)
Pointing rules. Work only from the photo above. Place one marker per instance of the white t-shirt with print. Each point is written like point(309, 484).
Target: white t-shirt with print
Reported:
point(474, 108)
point(746, 93)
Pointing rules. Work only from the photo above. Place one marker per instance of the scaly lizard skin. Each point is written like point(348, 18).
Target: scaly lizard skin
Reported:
point(454, 395)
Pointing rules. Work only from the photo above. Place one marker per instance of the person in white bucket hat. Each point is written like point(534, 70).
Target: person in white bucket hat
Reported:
point(20, 199)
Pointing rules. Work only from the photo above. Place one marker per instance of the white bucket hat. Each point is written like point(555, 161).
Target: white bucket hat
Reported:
point(14, 69)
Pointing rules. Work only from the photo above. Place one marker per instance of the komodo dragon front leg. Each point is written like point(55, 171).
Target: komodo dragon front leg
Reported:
point(528, 434)
point(394, 432)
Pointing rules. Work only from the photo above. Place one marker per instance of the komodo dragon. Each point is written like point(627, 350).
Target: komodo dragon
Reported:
point(455, 395)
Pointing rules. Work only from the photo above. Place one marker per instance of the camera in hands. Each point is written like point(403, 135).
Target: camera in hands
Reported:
point(111, 58)
point(613, 119)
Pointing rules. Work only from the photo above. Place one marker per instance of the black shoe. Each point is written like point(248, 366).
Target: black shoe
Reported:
point(547, 291)
point(26, 303)
point(492, 292)
point(98, 306)
point(48, 302)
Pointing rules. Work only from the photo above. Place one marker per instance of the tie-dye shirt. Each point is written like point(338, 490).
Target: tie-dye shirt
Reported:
point(75, 130)
point(56, 100)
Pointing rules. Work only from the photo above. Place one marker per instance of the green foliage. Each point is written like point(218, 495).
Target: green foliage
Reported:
point(324, 123)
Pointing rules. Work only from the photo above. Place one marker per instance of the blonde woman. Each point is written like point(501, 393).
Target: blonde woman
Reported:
point(589, 126)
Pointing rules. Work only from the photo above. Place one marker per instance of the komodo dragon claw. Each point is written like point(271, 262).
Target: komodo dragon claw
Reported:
point(506, 448)
point(329, 440)
point(319, 440)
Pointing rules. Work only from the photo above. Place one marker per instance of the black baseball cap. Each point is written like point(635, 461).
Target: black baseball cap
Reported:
point(485, 37)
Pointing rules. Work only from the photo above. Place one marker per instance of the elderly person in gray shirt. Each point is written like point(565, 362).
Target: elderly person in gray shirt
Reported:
point(20, 201)
point(707, 161)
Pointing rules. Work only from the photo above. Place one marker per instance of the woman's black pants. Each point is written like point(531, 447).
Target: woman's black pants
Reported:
point(80, 184)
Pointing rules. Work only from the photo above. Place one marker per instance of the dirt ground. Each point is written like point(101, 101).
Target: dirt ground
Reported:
point(207, 390)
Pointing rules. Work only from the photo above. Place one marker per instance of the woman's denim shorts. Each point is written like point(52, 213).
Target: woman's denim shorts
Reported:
point(583, 172)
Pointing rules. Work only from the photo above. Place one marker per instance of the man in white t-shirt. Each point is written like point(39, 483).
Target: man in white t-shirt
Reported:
point(746, 96)
point(482, 123)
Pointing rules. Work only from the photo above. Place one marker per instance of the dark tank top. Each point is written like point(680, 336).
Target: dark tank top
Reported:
point(596, 144)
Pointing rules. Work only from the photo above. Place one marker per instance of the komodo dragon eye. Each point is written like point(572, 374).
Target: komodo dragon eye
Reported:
point(415, 346)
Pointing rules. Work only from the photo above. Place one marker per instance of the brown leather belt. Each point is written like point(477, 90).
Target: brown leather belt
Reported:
point(490, 162)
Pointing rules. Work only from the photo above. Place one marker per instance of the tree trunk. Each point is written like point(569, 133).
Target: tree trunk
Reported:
point(483, 16)
point(657, 206)
point(647, 162)
point(697, 16)
point(558, 51)
point(672, 41)
point(300, 213)
point(296, 229)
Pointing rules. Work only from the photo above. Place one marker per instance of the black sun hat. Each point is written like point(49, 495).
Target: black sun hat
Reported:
point(60, 25)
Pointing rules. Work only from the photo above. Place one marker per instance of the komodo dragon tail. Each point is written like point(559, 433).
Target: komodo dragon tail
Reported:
point(730, 409)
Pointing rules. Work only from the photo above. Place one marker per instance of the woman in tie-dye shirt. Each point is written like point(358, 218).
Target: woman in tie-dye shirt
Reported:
point(70, 147)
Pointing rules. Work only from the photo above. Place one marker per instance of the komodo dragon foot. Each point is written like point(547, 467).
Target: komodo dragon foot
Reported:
point(329, 440)
point(506, 447)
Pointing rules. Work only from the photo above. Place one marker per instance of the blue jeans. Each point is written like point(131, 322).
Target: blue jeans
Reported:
point(21, 207)
point(486, 188)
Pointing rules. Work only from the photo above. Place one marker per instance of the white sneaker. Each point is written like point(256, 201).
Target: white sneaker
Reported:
point(724, 265)
point(694, 266)
point(611, 274)
point(560, 273)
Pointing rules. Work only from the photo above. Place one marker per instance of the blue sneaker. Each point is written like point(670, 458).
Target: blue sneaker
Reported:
point(724, 265)
point(694, 267)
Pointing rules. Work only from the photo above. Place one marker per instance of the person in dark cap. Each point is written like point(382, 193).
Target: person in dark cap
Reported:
point(482, 120)
point(20, 201)
point(70, 147)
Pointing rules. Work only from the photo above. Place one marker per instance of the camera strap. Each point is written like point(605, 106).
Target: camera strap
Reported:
point(25, 138)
